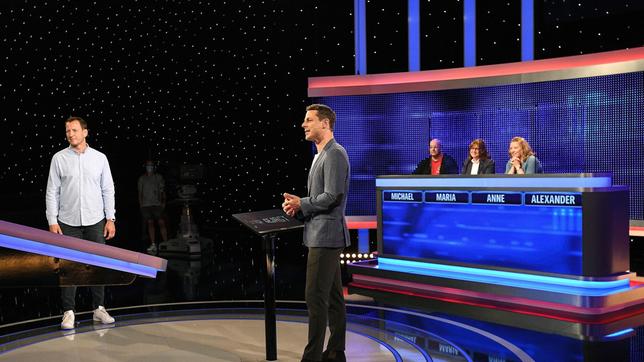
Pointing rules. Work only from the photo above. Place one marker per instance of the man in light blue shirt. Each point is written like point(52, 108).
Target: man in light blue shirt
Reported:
point(80, 203)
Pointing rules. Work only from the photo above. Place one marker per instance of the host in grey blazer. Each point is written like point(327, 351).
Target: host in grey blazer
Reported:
point(325, 235)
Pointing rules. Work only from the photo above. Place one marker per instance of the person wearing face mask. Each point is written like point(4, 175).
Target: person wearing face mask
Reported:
point(478, 162)
point(522, 160)
point(152, 203)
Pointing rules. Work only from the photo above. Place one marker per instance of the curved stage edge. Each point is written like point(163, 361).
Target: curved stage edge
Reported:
point(233, 331)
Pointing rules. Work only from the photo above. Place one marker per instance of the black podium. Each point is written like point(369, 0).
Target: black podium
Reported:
point(267, 224)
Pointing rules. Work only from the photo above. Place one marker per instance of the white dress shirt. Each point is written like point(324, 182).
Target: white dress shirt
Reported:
point(80, 189)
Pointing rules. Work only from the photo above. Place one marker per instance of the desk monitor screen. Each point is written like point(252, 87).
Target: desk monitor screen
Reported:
point(268, 221)
point(535, 231)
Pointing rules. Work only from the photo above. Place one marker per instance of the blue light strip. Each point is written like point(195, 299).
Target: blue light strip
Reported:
point(363, 240)
point(382, 343)
point(75, 255)
point(413, 23)
point(620, 333)
point(527, 30)
point(510, 181)
point(420, 349)
point(530, 281)
point(360, 35)
point(469, 33)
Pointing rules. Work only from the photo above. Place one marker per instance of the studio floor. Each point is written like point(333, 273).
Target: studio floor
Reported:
point(211, 309)
point(234, 331)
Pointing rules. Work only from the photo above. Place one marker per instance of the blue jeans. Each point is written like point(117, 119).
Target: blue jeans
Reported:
point(92, 233)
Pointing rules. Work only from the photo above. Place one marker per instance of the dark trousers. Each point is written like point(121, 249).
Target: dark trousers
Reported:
point(92, 233)
point(325, 302)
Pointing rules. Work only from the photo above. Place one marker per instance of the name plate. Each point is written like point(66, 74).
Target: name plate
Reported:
point(403, 196)
point(498, 198)
point(552, 199)
point(452, 197)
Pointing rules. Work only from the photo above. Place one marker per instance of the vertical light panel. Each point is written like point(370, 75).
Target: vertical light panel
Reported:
point(363, 240)
point(469, 33)
point(413, 21)
point(527, 30)
point(360, 31)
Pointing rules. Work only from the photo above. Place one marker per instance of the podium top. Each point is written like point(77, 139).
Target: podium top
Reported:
point(268, 221)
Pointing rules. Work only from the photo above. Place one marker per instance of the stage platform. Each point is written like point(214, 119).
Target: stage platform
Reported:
point(186, 332)
point(233, 331)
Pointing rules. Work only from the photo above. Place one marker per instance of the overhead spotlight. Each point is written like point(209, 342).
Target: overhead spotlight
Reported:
point(342, 255)
point(353, 255)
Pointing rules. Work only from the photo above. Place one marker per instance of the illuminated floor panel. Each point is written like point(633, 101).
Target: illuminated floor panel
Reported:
point(374, 334)
point(201, 340)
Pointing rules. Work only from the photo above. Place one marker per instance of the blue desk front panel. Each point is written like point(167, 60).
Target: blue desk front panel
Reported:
point(520, 236)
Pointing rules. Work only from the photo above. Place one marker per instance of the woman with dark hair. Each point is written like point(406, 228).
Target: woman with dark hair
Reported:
point(522, 160)
point(478, 161)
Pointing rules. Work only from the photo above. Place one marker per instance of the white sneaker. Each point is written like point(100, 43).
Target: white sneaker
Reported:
point(101, 315)
point(152, 249)
point(68, 320)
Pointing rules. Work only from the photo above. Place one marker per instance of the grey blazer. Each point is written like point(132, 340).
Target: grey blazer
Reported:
point(323, 208)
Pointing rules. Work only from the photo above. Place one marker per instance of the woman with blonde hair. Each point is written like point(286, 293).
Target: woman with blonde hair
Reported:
point(522, 160)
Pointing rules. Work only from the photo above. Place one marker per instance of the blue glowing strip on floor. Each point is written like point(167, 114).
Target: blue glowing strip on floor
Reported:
point(497, 277)
point(469, 33)
point(620, 333)
point(413, 37)
point(413, 328)
point(391, 349)
point(527, 30)
point(417, 347)
point(360, 35)
point(510, 181)
point(75, 255)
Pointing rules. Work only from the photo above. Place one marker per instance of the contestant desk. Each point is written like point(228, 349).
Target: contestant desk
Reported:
point(556, 243)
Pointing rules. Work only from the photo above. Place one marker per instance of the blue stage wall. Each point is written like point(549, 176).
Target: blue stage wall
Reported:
point(591, 124)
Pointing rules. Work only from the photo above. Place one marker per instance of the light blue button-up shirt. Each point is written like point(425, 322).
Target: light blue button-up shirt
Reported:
point(80, 189)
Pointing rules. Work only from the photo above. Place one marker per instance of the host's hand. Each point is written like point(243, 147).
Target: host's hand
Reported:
point(291, 204)
point(55, 229)
point(110, 229)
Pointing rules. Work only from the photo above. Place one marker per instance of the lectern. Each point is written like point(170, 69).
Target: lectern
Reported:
point(267, 224)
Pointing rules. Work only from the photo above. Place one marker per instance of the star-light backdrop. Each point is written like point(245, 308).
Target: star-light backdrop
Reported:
point(223, 85)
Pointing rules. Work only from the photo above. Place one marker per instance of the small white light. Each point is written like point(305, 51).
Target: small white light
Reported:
point(353, 255)
point(371, 256)
point(341, 261)
point(359, 256)
point(342, 255)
